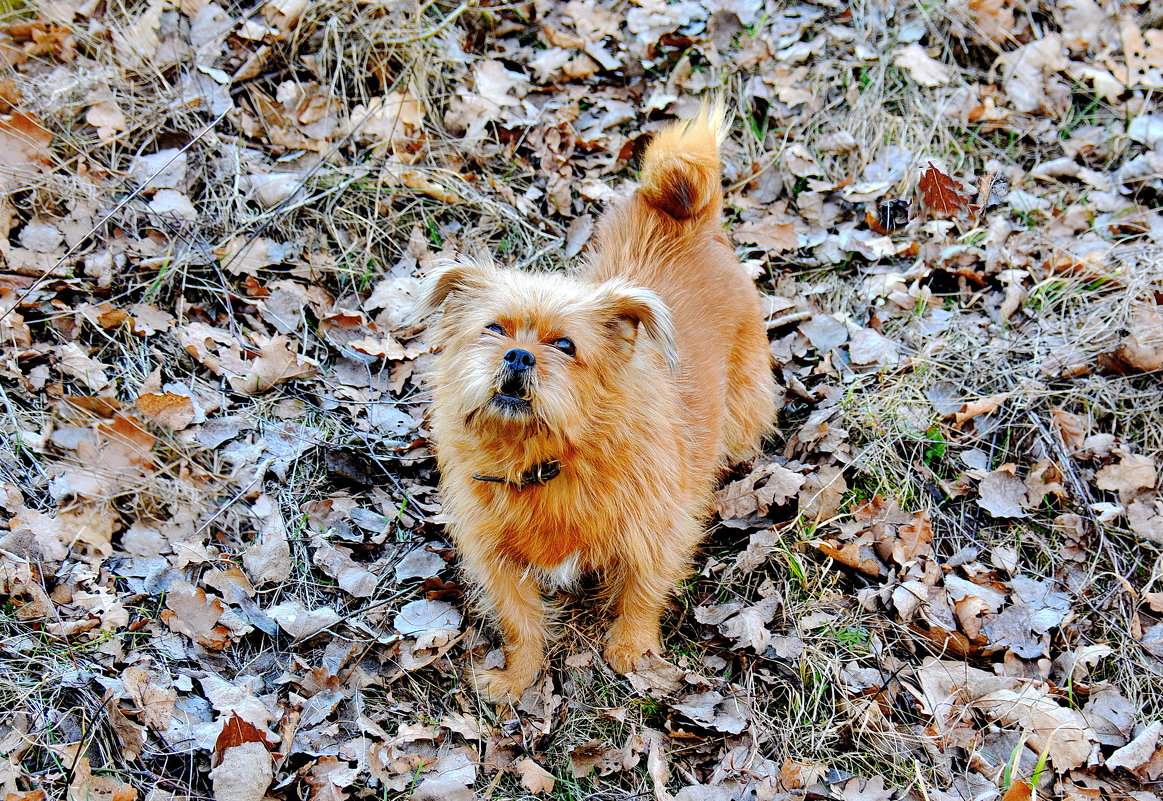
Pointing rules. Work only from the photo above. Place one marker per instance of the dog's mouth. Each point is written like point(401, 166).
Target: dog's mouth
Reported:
point(511, 403)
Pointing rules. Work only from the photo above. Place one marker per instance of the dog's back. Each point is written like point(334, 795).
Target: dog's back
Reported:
point(668, 236)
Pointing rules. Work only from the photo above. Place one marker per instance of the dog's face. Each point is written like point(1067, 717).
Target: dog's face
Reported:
point(540, 353)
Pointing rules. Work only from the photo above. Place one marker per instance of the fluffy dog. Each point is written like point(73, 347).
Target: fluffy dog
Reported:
point(581, 421)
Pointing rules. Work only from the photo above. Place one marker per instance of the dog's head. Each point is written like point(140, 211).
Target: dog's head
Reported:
point(542, 351)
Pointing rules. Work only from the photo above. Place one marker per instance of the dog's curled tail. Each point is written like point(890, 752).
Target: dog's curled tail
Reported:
point(681, 169)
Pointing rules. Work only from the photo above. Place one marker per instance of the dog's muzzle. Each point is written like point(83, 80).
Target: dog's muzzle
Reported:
point(516, 373)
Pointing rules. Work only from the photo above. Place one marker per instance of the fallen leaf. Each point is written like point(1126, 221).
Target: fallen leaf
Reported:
point(923, 68)
point(167, 409)
point(1002, 494)
point(1133, 472)
point(190, 611)
point(24, 148)
point(941, 195)
point(712, 711)
point(1139, 751)
point(235, 732)
point(534, 778)
point(775, 233)
point(275, 363)
point(978, 407)
point(432, 623)
point(244, 774)
point(301, 623)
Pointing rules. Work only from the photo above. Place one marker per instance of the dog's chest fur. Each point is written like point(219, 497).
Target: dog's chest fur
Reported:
point(557, 529)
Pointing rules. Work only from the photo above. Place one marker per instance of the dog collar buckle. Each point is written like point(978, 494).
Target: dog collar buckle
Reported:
point(541, 473)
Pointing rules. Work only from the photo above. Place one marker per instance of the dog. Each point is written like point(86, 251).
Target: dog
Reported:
point(581, 421)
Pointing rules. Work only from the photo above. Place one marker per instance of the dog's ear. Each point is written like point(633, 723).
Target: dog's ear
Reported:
point(449, 277)
point(634, 309)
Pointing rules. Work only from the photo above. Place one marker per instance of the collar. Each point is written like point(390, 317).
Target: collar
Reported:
point(541, 473)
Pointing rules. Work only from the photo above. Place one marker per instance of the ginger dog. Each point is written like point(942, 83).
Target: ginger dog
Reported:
point(581, 421)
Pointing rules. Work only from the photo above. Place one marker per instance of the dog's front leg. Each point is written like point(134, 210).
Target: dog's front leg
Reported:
point(515, 604)
point(642, 581)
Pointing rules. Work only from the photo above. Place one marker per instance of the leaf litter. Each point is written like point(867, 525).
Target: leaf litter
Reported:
point(224, 570)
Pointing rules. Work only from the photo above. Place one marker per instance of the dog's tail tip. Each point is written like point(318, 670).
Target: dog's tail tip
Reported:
point(681, 169)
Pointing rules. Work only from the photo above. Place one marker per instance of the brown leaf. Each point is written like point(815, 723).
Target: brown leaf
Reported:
point(156, 703)
point(941, 195)
point(534, 778)
point(858, 554)
point(191, 612)
point(237, 731)
point(1070, 427)
point(323, 786)
point(775, 233)
point(982, 406)
point(1002, 494)
point(1019, 790)
point(913, 539)
point(167, 408)
point(924, 69)
point(275, 364)
point(1132, 473)
point(23, 147)
point(1143, 347)
point(820, 497)
point(244, 773)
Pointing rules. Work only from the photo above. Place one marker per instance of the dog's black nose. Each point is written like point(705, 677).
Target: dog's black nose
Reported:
point(519, 360)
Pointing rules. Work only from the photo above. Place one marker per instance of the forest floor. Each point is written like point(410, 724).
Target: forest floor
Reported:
point(224, 574)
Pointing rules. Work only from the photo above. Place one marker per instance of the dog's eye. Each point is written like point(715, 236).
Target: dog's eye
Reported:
point(565, 346)
point(495, 328)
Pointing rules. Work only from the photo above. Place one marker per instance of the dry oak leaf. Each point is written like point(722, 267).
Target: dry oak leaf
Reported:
point(329, 779)
point(748, 628)
point(155, 702)
point(236, 731)
point(1025, 69)
point(23, 147)
point(167, 409)
point(84, 786)
point(822, 492)
point(1071, 428)
point(301, 623)
point(189, 611)
point(471, 111)
point(1145, 518)
point(244, 774)
point(982, 406)
point(924, 69)
point(1002, 494)
point(1143, 348)
point(596, 755)
point(742, 498)
point(774, 233)
point(713, 711)
point(1139, 752)
point(941, 195)
point(534, 778)
point(913, 539)
point(104, 114)
point(275, 364)
point(859, 554)
point(994, 22)
point(1132, 473)
point(200, 340)
point(74, 361)
point(947, 688)
point(450, 779)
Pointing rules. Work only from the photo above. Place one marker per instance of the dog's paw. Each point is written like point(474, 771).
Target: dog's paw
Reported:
point(626, 657)
point(500, 685)
point(627, 645)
